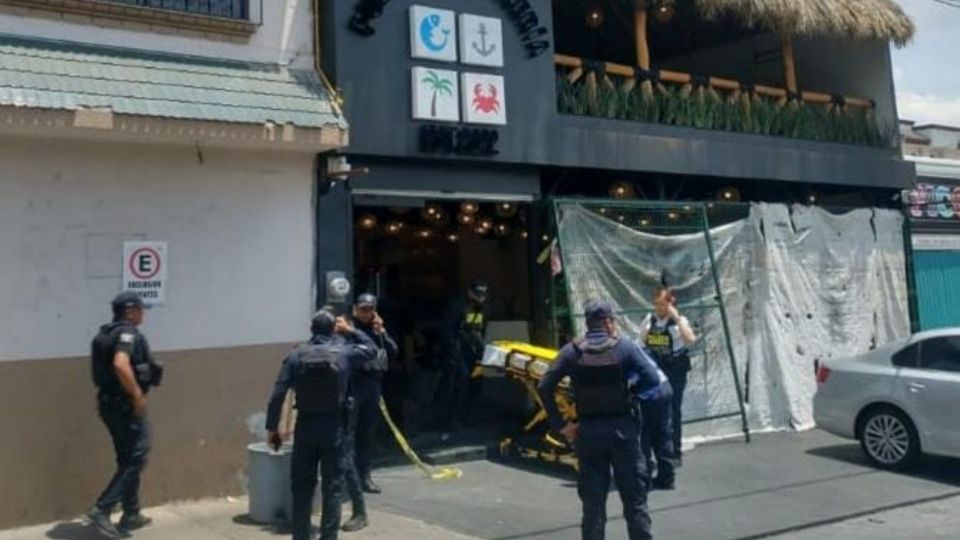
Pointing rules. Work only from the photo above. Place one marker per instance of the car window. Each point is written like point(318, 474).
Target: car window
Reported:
point(907, 357)
point(941, 354)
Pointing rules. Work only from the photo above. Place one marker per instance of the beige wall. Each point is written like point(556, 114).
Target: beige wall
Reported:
point(56, 455)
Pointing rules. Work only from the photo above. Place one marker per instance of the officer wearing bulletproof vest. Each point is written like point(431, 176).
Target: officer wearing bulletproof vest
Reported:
point(599, 366)
point(123, 372)
point(667, 336)
point(319, 372)
point(463, 331)
point(364, 407)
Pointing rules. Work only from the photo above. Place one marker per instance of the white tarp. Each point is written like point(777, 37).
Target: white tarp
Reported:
point(798, 284)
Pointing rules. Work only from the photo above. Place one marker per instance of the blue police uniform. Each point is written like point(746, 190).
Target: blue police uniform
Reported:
point(656, 437)
point(319, 373)
point(363, 414)
point(131, 434)
point(609, 430)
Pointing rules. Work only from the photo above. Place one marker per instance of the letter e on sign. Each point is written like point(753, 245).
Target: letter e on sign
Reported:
point(145, 270)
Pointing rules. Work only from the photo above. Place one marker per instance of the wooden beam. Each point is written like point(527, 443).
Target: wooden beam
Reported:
point(789, 65)
point(640, 27)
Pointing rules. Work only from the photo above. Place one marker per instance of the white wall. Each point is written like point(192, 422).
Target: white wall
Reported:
point(239, 227)
point(284, 37)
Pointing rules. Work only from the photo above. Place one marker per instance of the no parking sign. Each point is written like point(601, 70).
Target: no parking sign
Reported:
point(145, 270)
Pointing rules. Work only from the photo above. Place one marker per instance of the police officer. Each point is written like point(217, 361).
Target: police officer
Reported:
point(463, 332)
point(668, 335)
point(319, 372)
point(123, 372)
point(656, 437)
point(599, 366)
point(364, 407)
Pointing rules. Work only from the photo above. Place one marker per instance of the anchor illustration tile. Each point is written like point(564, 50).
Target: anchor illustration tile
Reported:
point(481, 40)
point(435, 94)
point(433, 34)
point(484, 99)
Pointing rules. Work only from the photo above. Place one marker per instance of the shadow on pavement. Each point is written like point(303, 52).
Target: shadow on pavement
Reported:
point(244, 519)
point(933, 468)
point(73, 530)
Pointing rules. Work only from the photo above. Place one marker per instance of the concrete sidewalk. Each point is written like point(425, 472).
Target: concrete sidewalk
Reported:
point(227, 519)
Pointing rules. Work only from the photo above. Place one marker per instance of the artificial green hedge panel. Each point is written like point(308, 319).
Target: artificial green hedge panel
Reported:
point(705, 108)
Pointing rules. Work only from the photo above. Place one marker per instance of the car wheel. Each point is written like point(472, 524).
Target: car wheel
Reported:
point(888, 438)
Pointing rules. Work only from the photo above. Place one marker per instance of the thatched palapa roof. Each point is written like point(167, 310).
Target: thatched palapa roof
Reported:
point(858, 19)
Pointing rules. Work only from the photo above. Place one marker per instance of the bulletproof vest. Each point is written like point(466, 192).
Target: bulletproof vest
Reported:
point(599, 380)
point(321, 381)
point(104, 349)
point(473, 321)
point(379, 363)
point(660, 343)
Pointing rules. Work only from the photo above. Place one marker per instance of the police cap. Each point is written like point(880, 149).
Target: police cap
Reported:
point(366, 300)
point(125, 301)
point(597, 311)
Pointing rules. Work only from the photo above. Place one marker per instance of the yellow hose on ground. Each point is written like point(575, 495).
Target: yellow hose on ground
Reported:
point(434, 474)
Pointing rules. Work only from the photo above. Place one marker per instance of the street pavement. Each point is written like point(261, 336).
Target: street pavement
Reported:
point(789, 486)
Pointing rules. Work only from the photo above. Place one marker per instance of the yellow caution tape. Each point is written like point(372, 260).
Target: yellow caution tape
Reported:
point(542, 353)
point(442, 474)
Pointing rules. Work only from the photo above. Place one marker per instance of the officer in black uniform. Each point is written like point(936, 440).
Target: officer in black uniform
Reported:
point(364, 407)
point(463, 332)
point(600, 365)
point(319, 372)
point(123, 372)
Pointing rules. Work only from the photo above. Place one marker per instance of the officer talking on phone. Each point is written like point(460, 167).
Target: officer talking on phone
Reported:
point(319, 372)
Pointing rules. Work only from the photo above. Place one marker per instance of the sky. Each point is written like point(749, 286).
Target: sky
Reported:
point(927, 70)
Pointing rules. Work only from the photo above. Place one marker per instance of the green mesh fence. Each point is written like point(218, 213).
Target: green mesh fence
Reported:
point(622, 251)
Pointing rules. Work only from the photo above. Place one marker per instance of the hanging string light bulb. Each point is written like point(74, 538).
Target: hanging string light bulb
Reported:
point(465, 219)
point(502, 230)
point(469, 207)
point(664, 11)
point(453, 238)
point(506, 210)
point(594, 17)
point(367, 222)
point(394, 228)
point(622, 190)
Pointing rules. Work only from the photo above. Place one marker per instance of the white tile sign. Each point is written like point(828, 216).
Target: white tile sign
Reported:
point(145, 270)
point(435, 95)
point(433, 34)
point(484, 101)
point(481, 41)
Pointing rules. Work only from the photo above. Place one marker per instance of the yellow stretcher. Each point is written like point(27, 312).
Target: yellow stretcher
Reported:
point(527, 364)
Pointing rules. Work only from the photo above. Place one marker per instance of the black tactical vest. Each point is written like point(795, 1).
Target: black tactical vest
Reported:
point(321, 381)
point(600, 382)
point(660, 344)
point(378, 363)
point(103, 349)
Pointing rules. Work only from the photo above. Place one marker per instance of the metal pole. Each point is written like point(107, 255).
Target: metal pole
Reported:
point(723, 318)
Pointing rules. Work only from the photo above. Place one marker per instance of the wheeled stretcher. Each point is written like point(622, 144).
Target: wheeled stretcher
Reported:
point(527, 364)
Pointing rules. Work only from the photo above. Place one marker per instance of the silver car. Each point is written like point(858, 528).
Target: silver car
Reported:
point(898, 400)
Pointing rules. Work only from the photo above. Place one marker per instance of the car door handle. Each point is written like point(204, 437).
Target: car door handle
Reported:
point(916, 387)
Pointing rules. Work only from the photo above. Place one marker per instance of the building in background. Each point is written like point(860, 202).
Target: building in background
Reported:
point(934, 210)
point(192, 125)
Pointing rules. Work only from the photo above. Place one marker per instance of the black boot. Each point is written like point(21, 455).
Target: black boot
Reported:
point(100, 520)
point(357, 522)
point(369, 486)
point(132, 522)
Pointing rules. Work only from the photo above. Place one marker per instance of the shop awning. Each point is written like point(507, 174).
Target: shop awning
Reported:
point(64, 76)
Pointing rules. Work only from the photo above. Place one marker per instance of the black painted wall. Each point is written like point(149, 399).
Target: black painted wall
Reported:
point(374, 75)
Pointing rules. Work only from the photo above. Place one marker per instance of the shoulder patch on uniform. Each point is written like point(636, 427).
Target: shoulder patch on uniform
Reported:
point(126, 338)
